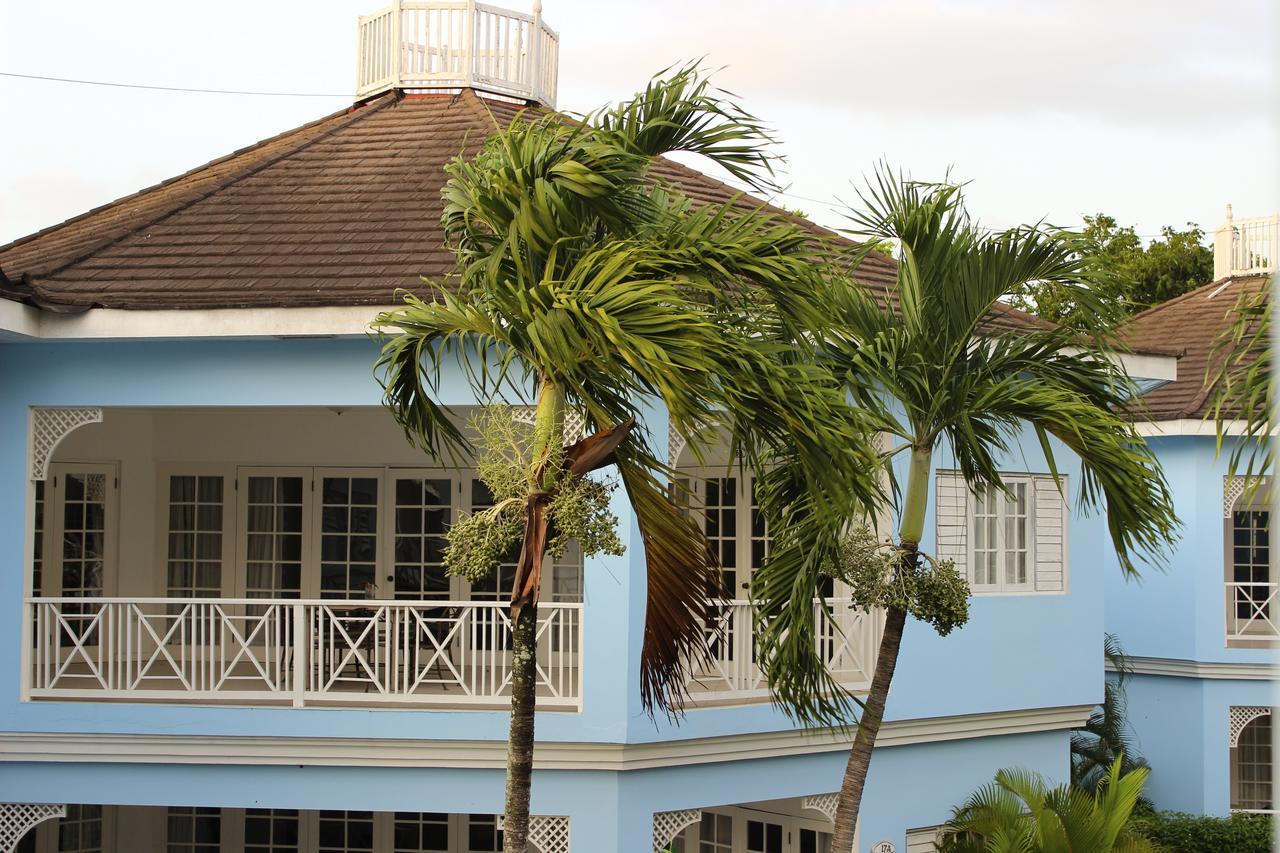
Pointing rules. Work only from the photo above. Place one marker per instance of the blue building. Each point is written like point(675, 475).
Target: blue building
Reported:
point(1203, 635)
point(229, 628)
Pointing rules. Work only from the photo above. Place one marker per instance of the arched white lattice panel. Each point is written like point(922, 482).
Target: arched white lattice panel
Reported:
point(17, 819)
point(48, 427)
point(1233, 488)
point(675, 447)
point(547, 833)
point(575, 423)
point(825, 803)
point(667, 825)
point(1241, 717)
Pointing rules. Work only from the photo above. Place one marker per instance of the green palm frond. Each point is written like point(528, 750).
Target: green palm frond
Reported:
point(577, 271)
point(1239, 371)
point(925, 365)
point(1020, 812)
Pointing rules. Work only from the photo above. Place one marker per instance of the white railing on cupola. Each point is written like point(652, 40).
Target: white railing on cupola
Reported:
point(1246, 246)
point(418, 45)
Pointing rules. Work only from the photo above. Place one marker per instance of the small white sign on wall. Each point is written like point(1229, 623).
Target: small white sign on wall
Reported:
point(884, 847)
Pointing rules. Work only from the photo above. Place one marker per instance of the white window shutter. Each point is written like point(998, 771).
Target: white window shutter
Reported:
point(1050, 535)
point(953, 519)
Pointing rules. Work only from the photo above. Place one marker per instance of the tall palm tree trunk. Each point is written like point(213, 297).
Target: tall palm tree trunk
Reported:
point(548, 436)
point(910, 530)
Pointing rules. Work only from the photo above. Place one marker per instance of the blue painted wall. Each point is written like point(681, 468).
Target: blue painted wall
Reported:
point(909, 786)
point(1180, 726)
point(1032, 651)
point(1180, 612)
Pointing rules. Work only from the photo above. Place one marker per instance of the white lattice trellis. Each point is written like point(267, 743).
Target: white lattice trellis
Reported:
point(1235, 487)
point(1241, 717)
point(48, 427)
point(825, 803)
point(667, 825)
point(675, 446)
point(547, 833)
point(575, 423)
point(17, 819)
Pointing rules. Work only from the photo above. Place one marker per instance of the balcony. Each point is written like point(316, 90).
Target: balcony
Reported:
point(292, 652)
point(295, 557)
point(1251, 613)
point(846, 639)
point(439, 654)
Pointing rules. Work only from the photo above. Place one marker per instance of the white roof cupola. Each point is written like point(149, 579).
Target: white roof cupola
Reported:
point(433, 45)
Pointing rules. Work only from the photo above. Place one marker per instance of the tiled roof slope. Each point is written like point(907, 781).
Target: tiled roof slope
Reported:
point(1191, 324)
point(342, 211)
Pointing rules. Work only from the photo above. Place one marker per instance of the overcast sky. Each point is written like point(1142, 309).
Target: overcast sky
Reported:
point(1155, 112)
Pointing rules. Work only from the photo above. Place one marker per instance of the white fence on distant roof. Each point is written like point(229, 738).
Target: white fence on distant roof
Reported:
point(1246, 246)
point(436, 44)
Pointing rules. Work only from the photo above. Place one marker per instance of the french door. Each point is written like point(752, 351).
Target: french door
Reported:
point(354, 533)
point(78, 530)
point(751, 830)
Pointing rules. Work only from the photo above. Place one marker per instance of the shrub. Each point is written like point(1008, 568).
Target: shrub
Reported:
point(1176, 832)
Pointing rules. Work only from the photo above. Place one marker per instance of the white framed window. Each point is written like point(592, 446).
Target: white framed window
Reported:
point(726, 506)
point(80, 518)
point(193, 829)
point(81, 831)
point(272, 831)
point(1003, 529)
point(1010, 543)
point(1252, 760)
point(1252, 615)
point(196, 524)
point(345, 832)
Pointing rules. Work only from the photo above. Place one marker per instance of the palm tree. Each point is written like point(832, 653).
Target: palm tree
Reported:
point(1018, 813)
point(583, 280)
point(927, 369)
point(1239, 373)
point(1105, 736)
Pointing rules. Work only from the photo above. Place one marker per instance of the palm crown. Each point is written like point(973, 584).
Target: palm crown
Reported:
point(928, 370)
point(582, 275)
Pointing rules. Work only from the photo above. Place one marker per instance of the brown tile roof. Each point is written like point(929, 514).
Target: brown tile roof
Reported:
point(342, 211)
point(1190, 325)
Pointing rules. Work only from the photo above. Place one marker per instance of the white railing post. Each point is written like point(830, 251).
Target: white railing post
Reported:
point(397, 41)
point(302, 643)
point(535, 55)
point(469, 44)
point(1224, 248)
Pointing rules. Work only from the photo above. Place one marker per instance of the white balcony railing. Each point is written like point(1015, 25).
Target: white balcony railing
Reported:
point(1246, 246)
point(438, 44)
point(256, 651)
point(847, 643)
point(1252, 611)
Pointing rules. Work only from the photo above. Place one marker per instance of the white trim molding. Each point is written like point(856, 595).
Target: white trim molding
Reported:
point(17, 819)
point(1180, 668)
point(667, 825)
point(48, 427)
point(1242, 716)
point(1189, 426)
point(74, 747)
point(18, 322)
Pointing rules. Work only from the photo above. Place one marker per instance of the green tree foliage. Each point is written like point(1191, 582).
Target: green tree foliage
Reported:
point(1129, 276)
point(1240, 374)
point(927, 370)
point(1175, 832)
point(586, 283)
point(1106, 734)
point(1019, 813)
